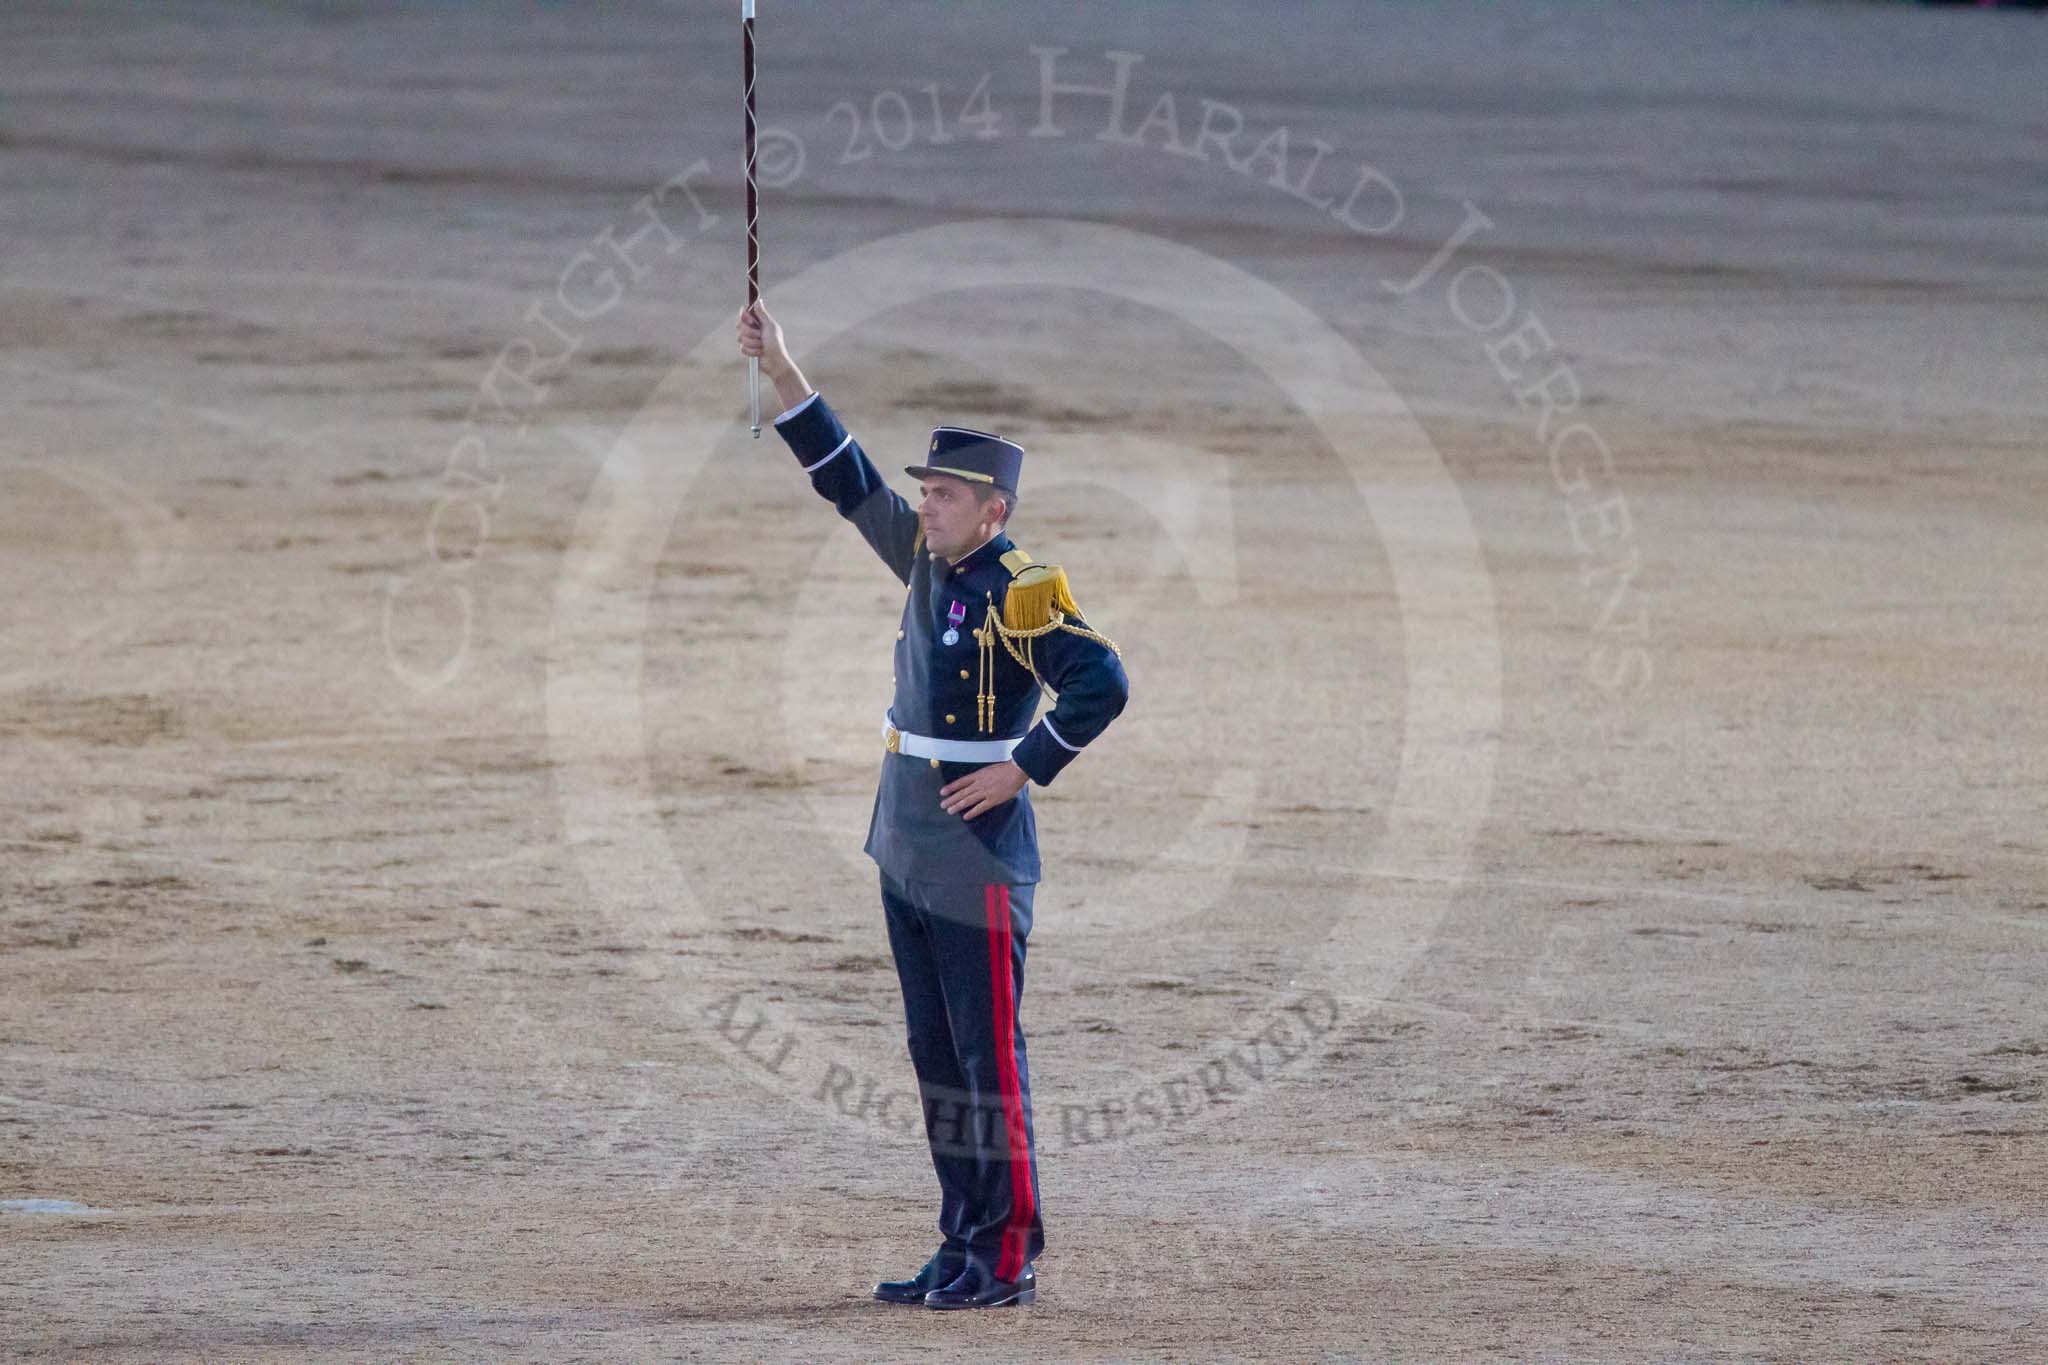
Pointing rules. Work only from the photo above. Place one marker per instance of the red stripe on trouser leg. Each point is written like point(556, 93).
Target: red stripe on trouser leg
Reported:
point(995, 998)
point(1003, 995)
point(1024, 1200)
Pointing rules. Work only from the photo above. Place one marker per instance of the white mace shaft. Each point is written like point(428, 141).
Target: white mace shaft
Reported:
point(753, 218)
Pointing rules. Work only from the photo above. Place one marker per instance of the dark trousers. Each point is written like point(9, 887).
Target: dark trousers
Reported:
point(960, 957)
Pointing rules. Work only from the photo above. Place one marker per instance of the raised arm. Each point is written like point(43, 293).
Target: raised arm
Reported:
point(840, 470)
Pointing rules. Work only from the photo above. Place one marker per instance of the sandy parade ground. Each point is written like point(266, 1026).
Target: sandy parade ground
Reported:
point(1567, 483)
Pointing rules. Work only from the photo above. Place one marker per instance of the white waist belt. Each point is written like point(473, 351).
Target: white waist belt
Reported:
point(950, 750)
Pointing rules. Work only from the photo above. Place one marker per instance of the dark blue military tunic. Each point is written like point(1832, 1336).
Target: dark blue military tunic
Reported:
point(909, 834)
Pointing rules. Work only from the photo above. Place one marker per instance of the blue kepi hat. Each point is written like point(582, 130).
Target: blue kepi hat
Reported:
point(976, 456)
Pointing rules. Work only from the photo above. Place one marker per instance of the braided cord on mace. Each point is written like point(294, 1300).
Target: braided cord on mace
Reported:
point(753, 216)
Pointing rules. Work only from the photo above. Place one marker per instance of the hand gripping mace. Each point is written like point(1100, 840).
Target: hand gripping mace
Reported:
point(753, 216)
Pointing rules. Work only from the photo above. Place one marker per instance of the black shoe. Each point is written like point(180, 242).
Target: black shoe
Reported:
point(938, 1271)
point(978, 1289)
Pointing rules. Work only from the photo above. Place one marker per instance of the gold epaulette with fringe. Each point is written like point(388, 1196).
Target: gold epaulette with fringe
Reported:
point(1038, 600)
point(1035, 594)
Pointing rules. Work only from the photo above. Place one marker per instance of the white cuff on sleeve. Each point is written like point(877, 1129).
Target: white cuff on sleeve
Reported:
point(1046, 721)
point(798, 408)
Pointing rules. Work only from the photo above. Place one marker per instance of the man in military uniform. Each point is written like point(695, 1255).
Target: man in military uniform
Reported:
point(952, 830)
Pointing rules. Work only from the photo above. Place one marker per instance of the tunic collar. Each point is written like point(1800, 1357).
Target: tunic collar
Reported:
point(994, 547)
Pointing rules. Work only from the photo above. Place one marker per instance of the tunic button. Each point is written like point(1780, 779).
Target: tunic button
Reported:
point(935, 763)
point(963, 675)
point(899, 634)
point(949, 719)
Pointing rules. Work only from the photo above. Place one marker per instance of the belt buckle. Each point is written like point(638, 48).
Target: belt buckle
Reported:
point(892, 739)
